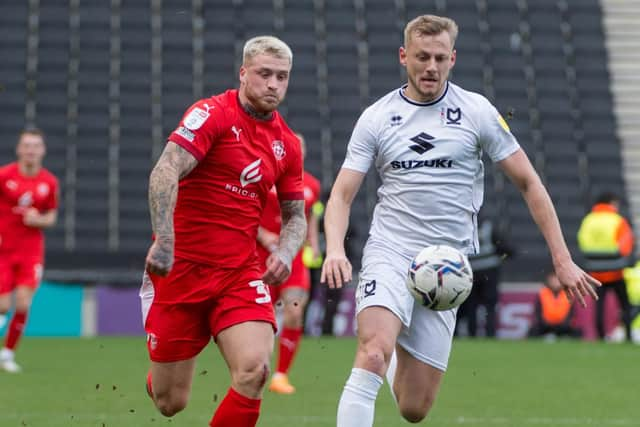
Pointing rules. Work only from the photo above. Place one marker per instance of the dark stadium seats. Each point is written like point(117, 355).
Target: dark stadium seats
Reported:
point(542, 63)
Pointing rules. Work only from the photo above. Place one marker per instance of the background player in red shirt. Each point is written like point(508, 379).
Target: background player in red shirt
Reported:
point(206, 196)
point(28, 204)
point(294, 293)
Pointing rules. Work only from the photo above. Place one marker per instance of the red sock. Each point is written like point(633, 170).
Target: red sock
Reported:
point(236, 411)
point(15, 329)
point(289, 343)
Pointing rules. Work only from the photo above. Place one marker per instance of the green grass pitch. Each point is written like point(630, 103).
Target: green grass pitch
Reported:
point(100, 383)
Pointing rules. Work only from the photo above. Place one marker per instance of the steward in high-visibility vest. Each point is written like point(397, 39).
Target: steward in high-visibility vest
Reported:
point(632, 280)
point(555, 306)
point(553, 311)
point(606, 242)
point(605, 239)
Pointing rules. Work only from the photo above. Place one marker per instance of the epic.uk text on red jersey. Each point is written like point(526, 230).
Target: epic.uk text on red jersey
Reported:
point(18, 193)
point(240, 158)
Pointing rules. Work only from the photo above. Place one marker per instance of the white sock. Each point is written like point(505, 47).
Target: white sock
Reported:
point(6, 354)
point(391, 374)
point(358, 400)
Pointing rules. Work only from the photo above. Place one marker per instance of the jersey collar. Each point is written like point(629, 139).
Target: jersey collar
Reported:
point(423, 104)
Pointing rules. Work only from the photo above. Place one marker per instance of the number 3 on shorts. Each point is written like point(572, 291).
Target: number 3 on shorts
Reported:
point(261, 289)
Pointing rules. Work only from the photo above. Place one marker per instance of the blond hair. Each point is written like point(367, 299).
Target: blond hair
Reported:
point(430, 25)
point(266, 45)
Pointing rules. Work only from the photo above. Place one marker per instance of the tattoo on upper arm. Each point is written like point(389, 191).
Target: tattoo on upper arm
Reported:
point(294, 226)
point(174, 164)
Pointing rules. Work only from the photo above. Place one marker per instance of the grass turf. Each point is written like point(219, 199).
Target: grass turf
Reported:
point(100, 382)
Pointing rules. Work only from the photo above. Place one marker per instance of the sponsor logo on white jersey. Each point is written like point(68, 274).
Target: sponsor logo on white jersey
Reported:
point(278, 149)
point(196, 118)
point(251, 173)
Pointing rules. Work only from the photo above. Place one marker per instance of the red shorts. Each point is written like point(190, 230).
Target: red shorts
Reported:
point(299, 278)
point(19, 270)
point(182, 311)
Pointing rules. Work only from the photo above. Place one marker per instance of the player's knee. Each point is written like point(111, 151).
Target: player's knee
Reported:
point(23, 305)
point(169, 405)
point(374, 359)
point(414, 411)
point(293, 316)
point(414, 414)
point(252, 376)
point(23, 301)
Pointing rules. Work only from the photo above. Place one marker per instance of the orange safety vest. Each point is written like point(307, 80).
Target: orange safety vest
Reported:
point(555, 308)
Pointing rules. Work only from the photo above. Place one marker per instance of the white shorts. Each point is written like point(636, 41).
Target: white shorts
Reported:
point(426, 334)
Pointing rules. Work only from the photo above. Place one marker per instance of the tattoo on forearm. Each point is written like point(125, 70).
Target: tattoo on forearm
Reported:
point(174, 163)
point(294, 227)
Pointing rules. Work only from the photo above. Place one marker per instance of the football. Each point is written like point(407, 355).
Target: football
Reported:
point(440, 277)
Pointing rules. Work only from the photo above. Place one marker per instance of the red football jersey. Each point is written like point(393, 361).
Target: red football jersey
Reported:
point(271, 220)
point(17, 193)
point(240, 158)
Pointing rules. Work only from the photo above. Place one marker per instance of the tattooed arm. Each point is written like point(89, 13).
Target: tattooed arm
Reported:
point(292, 234)
point(173, 165)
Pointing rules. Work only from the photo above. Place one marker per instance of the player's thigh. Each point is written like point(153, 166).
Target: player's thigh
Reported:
point(416, 384)
point(28, 271)
point(7, 282)
point(247, 349)
point(429, 336)
point(377, 330)
point(24, 297)
point(173, 378)
point(242, 297)
point(177, 328)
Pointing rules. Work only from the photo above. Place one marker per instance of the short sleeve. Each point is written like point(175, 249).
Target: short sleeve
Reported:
point(290, 185)
point(361, 150)
point(52, 200)
point(199, 128)
point(496, 138)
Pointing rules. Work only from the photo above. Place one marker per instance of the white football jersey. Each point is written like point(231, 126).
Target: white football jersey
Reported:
point(429, 158)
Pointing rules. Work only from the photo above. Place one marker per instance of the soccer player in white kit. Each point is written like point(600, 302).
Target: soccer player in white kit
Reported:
point(426, 140)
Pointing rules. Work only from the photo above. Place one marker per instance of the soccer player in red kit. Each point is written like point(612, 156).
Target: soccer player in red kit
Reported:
point(206, 195)
point(294, 293)
point(28, 204)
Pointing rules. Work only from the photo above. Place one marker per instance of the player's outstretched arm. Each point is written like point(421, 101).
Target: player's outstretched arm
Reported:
point(577, 282)
point(336, 268)
point(292, 234)
point(174, 163)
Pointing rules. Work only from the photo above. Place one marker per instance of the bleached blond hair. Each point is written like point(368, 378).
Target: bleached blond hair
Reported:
point(430, 25)
point(266, 45)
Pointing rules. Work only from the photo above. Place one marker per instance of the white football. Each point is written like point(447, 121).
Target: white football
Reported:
point(440, 277)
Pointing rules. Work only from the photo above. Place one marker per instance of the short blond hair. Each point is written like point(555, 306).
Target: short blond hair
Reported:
point(431, 25)
point(266, 45)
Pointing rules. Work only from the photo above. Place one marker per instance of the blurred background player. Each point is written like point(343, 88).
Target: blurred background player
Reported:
point(212, 181)
point(553, 312)
point(28, 204)
point(293, 295)
point(486, 265)
point(605, 239)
